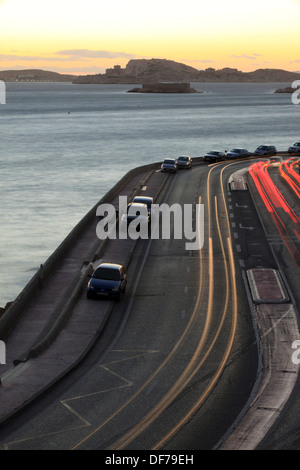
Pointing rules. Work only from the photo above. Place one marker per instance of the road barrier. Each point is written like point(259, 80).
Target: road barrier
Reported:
point(13, 313)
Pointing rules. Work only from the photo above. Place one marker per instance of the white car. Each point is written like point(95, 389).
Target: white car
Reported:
point(238, 153)
point(169, 165)
point(148, 200)
point(135, 210)
point(294, 148)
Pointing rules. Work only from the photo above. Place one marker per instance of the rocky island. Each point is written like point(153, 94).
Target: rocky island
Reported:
point(164, 88)
point(143, 71)
point(285, 90)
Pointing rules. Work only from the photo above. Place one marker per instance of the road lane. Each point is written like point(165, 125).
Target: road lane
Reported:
point(170, 370)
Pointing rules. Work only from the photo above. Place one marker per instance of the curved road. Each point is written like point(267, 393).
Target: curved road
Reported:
point(178, 360)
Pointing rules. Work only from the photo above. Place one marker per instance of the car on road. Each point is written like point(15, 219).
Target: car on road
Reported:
point(265, 150)
point(107, 281)
point(134, 210)
point(214, 156)
point(148, 200)
point(169, 165)
point(294, 148)
point(184, 162)
point(238, 153)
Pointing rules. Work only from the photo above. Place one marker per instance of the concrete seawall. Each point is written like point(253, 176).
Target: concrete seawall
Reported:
point(51, 333)
point(13, 313)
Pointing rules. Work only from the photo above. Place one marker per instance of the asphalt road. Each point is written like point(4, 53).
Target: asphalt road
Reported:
point(177, 361)
point(284, 435)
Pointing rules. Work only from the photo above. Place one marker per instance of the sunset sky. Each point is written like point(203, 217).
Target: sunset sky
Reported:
point(82, 37)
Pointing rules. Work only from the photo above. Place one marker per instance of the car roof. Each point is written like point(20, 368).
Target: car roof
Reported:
point(110, 265)
point(142, 198)
point(264, 146)
point(137, 204)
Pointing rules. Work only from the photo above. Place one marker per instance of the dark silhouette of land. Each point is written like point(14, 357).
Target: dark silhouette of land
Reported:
point(143, 71)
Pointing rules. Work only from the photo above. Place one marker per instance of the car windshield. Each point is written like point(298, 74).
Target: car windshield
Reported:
point(169, 162)
point(235, 150)
point(142, 200)
point(136, 208)
point(262, 147)
point(183, 158)
point(108, 274)
point(213, 153)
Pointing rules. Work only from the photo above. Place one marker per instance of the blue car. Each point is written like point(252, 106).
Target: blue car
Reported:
point(107, 281)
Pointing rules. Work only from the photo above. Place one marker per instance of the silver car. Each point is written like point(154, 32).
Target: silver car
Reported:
point(148, 200)
point(169, 165)
point(238, 153)
point(265, 150)
point(135, 210)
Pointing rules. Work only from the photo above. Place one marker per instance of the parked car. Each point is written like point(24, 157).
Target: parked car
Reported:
point(108, 280)
point(134, 210)
point(265, 150)
point(294, 148)
point(169, 165)
point(184, 162)
point(214, 156)
point(238, 153)
point(148, 200)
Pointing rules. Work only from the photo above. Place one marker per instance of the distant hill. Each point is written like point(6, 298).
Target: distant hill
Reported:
point(139, 71)
point(34, 75)
point(163, 70)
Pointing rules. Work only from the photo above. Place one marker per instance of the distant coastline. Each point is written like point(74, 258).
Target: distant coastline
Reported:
point(143, 71)
point(34, 75)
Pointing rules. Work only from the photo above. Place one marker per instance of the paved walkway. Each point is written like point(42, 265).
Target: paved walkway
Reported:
point(23, 382)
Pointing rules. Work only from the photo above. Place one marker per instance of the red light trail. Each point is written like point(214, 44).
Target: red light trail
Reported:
point(276, 204)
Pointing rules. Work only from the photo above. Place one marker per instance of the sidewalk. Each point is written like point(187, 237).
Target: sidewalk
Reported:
point(30, 376)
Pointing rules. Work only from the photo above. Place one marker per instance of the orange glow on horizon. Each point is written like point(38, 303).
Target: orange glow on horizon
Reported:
point(218, 34)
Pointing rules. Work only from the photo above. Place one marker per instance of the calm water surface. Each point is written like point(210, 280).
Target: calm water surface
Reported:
point(63, 146)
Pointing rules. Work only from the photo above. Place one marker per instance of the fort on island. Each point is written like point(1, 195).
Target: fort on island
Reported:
point(164, 88)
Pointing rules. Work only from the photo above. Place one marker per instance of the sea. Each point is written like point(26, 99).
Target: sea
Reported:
point(64, 145)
